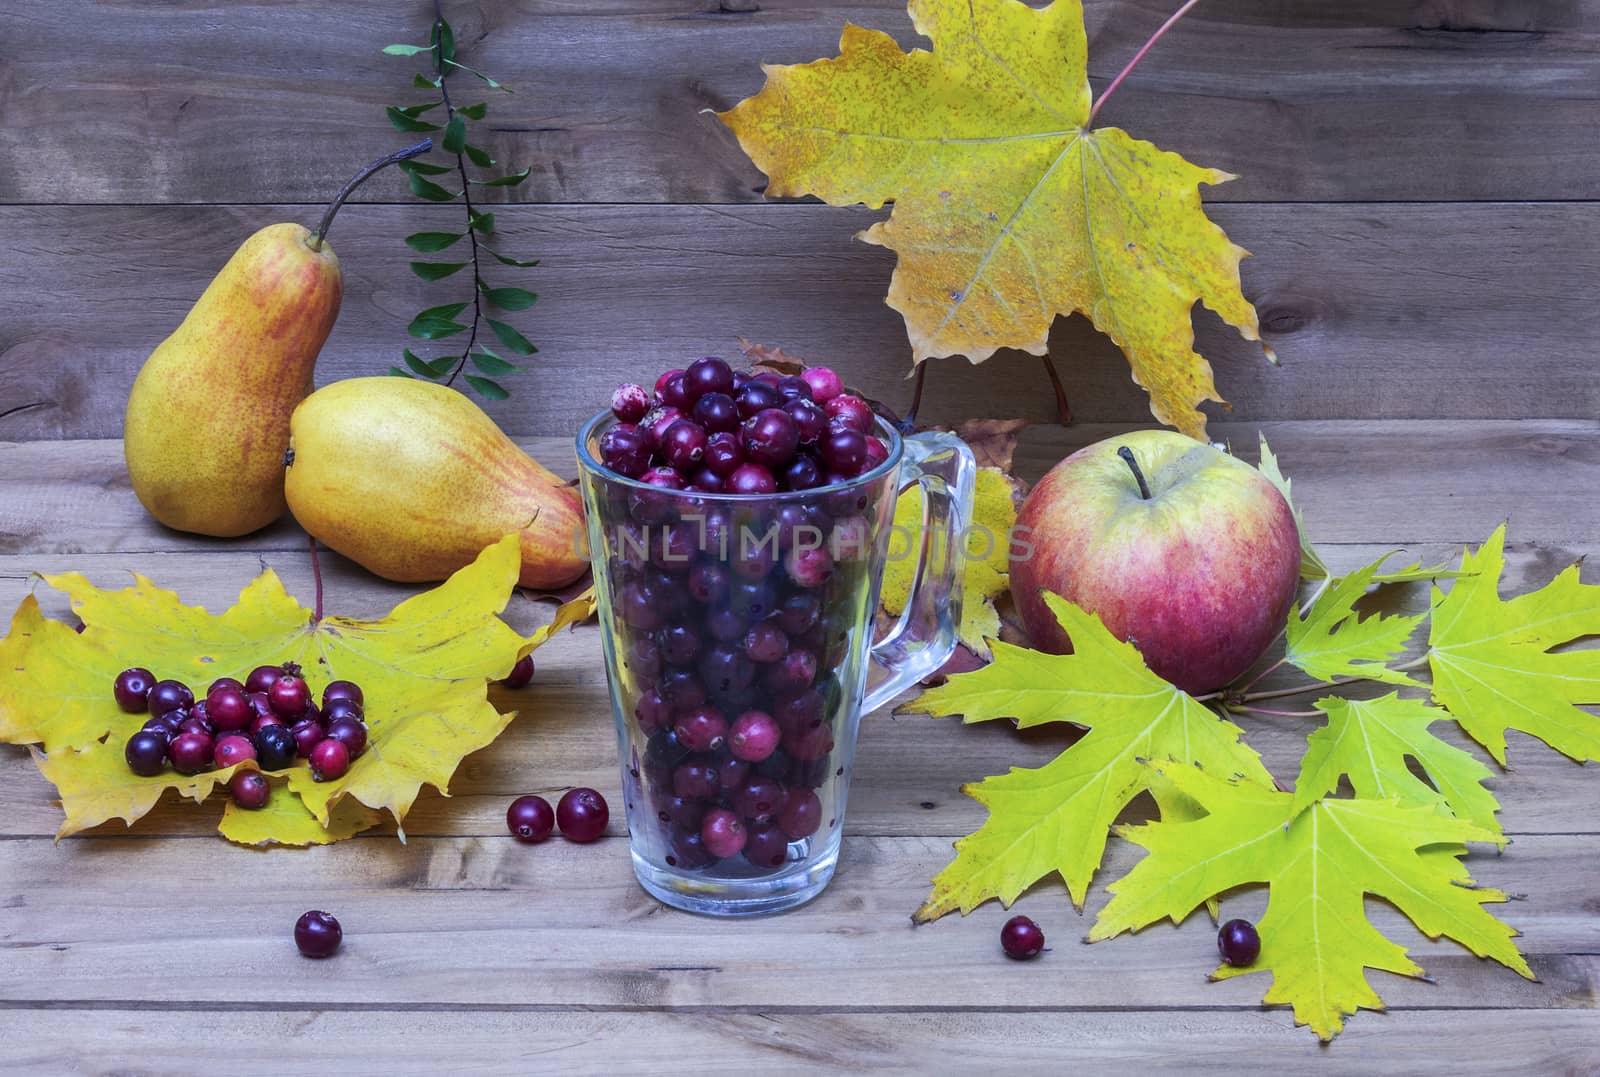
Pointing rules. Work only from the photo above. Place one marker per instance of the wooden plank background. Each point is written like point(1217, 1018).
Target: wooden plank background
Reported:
point(1420, 187)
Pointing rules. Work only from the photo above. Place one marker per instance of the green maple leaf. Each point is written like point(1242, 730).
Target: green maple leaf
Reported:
point(1319, 866)
point(1332, 641)
point(1492, 664)
point(1368, 740)
point(1056, 818)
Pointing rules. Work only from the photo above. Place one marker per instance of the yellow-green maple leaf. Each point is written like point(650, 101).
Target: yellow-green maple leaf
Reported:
point(1008, 210)
point(1320, 867)
point(988, 556)
point(425, 669)
point(1368, 740)
point(1333, 641)
point(1056, 818)
point(1492, 663)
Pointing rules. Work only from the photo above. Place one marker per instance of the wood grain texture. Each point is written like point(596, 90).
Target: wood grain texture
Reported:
point(205, 101)
point(426, 1042)
point(1376, 311)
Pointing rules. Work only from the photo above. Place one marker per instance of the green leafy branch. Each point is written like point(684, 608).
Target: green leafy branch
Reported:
point(441, 322)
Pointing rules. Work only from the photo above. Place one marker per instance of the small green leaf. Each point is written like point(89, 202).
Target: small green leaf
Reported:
point(493, 85)
point(479, 157)
point(503, 260)
point(416, 110)
point(396, 372)
point(429, 368)
point(455, 135)
point(489, 390)
point(483, 222)
point(509, 298)
point(448, 310)
point(423, 168)
point(434, 328)
point(402, 122)
point(445, 38)
point(437, 270)
point(513, 340)
point(423, 82)
point(504, 181)
point(490, 363)
point(431, 191)
point(428, 242)
point(406, 50)
point(474, 112)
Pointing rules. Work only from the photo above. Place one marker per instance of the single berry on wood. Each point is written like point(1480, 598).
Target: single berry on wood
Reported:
point(1238, 943)
point(530, 818)
point(582, 815)
point(1021, 938)
point(317, 934)
point(521, 673)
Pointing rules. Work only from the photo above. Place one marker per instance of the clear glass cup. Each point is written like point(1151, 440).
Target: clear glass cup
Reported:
point(731, 622)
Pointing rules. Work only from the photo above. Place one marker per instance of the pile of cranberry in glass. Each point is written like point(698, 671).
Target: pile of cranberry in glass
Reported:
point(722, 431)
point(732, 616)
point(270, 718)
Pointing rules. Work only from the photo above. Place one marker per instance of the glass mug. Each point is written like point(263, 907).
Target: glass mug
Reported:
point(738, 644)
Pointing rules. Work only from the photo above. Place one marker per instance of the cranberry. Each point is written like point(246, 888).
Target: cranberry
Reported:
point(809, 420)
point(530, 818)
point(225, 684)
point(1238, 943)
point(732, 774)
point(260, 707)
point(792, 673)
point(716, 412)
point(825, 384)
point(196, 722)
point(132, 689)
point(706, 481)
point(666, 478)
point(341, 708)
point(166, 728)
point(250, 790)
point(630, 402)
point(317, 934)
point(521, 674)
point(725, 670)
point(679, 644)
point(696, 780)
point(228, 708)
point(770, 437)
point(765, 643)
point(708, 582)
point(307, 735)
point(351, 732)
point(682, 812)
point(146, 753)
point(755, 397)
point(843, 449)
point(708, 375)
point(849, 411)
point(760, 798)
point(798, 612)
point(724, 453)
point(683, 445)
point(751, 478)
point(702, 729)
point(264, 721)
point(674, 392)
point(190, 752)
point(723, 832)
point(754, 736)
point(330, 759)
point(289, 696)
point(877, 453)
point(798, 711)
point(275, 747)
point(343, 690)
point(232, 750)
point(801, 815)
point(801, 473)
point(168, 696)
point(262, 678)
point(766, 846)
point(582, 815)
point(793, 387)
point(627, 452)
point(689, 851)
point(809, 568)
point(651, 711)
point(1021, 938)
point(652, 426)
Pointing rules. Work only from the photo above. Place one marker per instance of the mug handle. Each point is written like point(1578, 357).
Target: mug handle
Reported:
point(926, 634)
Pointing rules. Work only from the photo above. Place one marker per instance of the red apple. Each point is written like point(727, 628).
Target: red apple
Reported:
point(1185, 552)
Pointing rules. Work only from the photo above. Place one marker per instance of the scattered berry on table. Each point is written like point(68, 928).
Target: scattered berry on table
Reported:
point(1238, 943)
point(1021, 938)
point(530, 818)
point(317, 934)
point(521, 673)
point(582, 815)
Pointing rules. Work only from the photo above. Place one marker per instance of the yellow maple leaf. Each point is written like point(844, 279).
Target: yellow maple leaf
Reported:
point(1320, 866)
point(424, 668)
point(987, 570)
point(1493, 663)
point(1056, 817)
point(1008, 210)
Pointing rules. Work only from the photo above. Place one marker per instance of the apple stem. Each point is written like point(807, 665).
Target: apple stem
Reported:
point(1133, 465)
point(315, 242)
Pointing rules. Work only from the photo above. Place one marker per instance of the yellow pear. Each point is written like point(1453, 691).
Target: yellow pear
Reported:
point(208, 418)
point(411, 480)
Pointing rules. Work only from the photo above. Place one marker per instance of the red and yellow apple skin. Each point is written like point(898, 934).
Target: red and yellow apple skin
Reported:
point(1199, 577)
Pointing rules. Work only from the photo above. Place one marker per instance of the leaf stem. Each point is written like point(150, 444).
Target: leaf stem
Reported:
point(1253, 681)
point(1133, 63)
point(1241, 709)
point(317, 237)
point(1063, 409)
point(466, 195)
point(909, 423)
point(1300, 690)
point(316, 575)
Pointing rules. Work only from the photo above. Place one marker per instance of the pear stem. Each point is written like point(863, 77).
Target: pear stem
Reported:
point(315, 242)
point(316, 575)
point(1133, 465)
